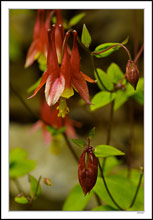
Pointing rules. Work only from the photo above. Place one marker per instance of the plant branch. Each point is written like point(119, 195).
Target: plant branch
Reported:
point(109, 130)
point(37, 188)
point(137, 190)
point(70, 147)
point(106, 187)
point(139, 54)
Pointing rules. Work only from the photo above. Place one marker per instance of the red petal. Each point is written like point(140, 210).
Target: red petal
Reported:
point(77, 79)
point(31, 53)
point(87, 78)
point(59, 19)
point(37, 26)
point(42, 82)
point(66, 66)
point(54, 90)
point(52, 62)
point(81, 86)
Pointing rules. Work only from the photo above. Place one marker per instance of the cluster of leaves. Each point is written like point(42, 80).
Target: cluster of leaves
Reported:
point(110, 82)
point(19, 166)
point(120, 96)
point(119, 185)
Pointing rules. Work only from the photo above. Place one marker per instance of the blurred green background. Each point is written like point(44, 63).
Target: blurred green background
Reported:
point(104, 26)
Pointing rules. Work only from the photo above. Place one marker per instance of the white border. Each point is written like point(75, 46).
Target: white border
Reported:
point(5, 108)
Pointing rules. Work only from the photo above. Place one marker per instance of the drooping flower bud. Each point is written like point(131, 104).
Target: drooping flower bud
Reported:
point(87, 170)
point(132, 73)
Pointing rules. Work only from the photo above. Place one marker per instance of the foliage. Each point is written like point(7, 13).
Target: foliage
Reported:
point(111, 184)
point(19, 165)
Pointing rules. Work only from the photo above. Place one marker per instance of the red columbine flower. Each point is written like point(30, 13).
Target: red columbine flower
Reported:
point(40, 39)
point(60, 81)
point(87, 170)
point(48, 116)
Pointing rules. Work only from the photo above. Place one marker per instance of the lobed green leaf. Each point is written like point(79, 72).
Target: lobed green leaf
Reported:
point(120, 99)
point(101, 99)
point(115, 73)
point(105, 78)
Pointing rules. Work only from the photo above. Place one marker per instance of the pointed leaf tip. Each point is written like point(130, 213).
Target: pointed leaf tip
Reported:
point(85, 37)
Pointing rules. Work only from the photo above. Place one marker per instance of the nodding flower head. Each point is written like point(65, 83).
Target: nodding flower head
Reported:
point(87, 170)
point(60, 81)
point(40, 39)
point(132, 73)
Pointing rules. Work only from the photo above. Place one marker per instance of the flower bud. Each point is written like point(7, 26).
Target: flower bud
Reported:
point(132, 73)
point(87, 170)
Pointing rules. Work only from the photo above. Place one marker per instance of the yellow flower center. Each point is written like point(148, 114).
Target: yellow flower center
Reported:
point(63, 109)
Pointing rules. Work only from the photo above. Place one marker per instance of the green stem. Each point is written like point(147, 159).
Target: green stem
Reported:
point(109, 130)
point(92, 62)
point(106, 187)
point(70, 147)
point(96, 72)
point(137, 190)
point(37, 188)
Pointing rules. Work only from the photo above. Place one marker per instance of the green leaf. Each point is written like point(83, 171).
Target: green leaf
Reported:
point(54, 131)
point(17, 154)
point(125, 41)
point(92, 133)
point(76, 201)
point(21, 200)
point(140, 85)
point(120, 99)
point(139, 94)
point(122, 190)
point(21, 168)
point(34, 183)
point(103, 47)
point(74, 20)
point(115, 73)
point(104, 208)
point(105, 80)
point(106, 151)
point(101, 99)
point(129, 90)
point(19, 165)
point(111, 163)
point(139, 97)
point(34, 86)
point(85, 37)
point(79, 142)
point(47, 181)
